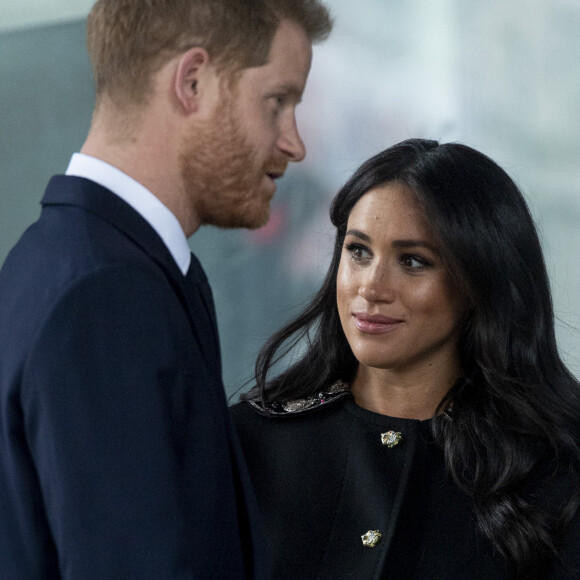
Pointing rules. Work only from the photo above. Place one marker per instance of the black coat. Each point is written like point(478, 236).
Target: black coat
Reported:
point(117, 456)
point(324, 477)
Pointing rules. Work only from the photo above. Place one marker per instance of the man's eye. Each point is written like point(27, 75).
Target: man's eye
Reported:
point(278, 101)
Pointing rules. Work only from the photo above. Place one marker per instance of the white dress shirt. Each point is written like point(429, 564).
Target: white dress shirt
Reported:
point(159, 217)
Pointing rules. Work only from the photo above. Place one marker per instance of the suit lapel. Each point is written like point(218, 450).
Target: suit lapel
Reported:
point(92, 197)
point(86, 194)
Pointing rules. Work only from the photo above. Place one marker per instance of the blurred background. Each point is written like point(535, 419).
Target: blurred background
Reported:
point(500, 76)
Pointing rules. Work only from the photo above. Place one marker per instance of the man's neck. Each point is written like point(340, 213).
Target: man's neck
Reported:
point(149, 158)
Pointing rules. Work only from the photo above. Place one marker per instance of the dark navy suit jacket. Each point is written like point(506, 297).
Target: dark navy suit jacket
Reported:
point(117, 458)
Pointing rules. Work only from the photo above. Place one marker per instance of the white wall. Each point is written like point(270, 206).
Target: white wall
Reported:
point(17, 14)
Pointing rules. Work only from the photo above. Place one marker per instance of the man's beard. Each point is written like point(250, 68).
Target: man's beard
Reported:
point(223, 175)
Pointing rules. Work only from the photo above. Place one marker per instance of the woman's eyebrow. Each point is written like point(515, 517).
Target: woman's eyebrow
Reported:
point(400, 244)
point(359, 234)
point(413, 244)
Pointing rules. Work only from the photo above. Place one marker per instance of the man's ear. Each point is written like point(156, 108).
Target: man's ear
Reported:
point(190, 78)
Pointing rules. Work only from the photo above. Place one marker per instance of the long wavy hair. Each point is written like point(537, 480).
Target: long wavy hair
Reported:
point(515, 414)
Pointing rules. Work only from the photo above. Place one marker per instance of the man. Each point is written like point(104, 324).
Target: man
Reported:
point(117, 456)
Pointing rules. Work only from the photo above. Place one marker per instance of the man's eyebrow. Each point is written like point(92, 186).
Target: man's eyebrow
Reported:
point(290, 89)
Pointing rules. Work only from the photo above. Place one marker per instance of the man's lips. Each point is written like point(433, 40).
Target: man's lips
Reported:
point(275, 170)
point(375, 323)
point(272, 176)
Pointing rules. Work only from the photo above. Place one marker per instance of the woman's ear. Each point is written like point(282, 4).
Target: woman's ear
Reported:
point(192, 70)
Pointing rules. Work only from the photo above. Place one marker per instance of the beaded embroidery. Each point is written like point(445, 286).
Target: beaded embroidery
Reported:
point(296, 406)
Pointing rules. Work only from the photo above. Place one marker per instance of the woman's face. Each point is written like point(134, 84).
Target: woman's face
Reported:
point(397, 307)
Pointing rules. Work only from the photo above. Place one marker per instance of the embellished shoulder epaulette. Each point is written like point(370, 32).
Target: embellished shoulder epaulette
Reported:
point(297, 406)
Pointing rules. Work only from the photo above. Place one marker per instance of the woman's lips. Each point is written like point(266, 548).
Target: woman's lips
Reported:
point(375, 323)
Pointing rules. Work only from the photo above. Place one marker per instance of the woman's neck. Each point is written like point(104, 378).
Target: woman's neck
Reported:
point(409, 395)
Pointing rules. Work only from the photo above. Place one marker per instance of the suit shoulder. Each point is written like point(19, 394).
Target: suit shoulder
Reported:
point(115, 296)
point(124, 287)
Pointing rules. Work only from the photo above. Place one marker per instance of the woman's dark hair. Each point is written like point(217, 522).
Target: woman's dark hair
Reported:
point(514, 416)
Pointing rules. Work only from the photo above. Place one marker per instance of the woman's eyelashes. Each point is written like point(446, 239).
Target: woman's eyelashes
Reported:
point(358, 252)
point(414, 263)
point(361, 254)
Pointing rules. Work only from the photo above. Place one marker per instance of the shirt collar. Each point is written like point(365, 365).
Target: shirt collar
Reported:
point(159, 217)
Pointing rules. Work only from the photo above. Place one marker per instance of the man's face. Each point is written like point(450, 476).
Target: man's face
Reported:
point(234, 158)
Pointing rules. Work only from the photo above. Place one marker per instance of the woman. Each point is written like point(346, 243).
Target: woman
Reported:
point(428, 428)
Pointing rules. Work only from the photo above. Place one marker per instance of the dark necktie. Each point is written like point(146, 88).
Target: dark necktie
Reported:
point(201, 300)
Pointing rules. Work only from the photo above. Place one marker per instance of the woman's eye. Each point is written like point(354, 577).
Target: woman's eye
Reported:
point(414, 263)
point(358, 253)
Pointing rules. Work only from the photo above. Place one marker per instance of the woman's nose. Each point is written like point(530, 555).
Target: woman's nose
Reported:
point(377, 285)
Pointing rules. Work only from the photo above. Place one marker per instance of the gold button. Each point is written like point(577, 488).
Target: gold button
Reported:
point(391, 438)
point(372, 538)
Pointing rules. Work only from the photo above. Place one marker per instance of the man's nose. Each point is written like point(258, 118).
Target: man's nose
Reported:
point(290, 142)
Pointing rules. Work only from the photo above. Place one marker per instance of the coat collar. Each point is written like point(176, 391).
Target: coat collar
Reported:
point(336, 391)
